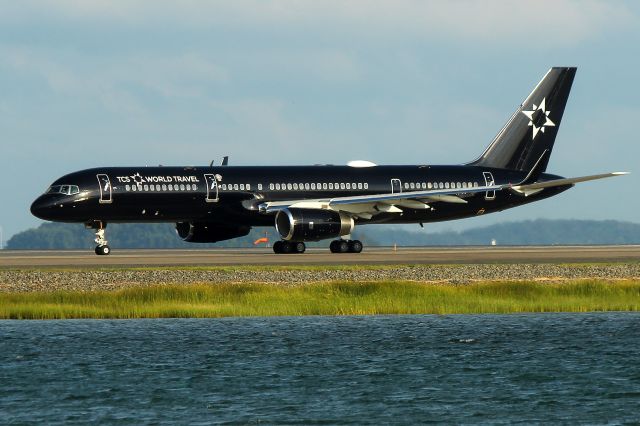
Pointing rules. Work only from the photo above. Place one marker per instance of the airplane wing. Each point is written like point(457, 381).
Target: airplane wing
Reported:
point(367, 206)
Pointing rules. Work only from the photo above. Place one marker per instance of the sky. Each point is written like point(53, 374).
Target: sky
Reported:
point(116, 83)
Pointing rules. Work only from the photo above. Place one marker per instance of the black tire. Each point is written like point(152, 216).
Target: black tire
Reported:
point(299, 247)
point(355, 246)
point(103, 250)
point(332, 247)
point(286, 247)
point(277, 247)
point(342, 246)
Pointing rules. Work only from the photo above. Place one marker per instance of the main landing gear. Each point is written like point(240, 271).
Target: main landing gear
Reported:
point(336, 246)
point(286, 247)
point(102, 248)
point(345, 246)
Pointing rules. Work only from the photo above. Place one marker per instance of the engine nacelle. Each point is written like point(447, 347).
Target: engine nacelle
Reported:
point(209, 232)
point(312, 224)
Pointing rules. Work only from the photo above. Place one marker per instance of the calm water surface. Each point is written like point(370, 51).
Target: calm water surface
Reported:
point(323, 370)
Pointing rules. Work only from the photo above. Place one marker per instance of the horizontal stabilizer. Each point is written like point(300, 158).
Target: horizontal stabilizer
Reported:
point(528, 189)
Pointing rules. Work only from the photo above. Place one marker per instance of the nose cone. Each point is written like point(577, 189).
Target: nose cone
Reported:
point(41, 208)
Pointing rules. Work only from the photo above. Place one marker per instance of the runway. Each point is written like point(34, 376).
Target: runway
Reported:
point(320, 256)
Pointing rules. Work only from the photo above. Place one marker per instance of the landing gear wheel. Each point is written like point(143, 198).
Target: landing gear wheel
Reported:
point(286, 247)
point(103, 250)
point(355, 246)
point(339, 246)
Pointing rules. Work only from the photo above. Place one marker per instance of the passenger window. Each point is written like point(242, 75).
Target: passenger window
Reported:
point(342, 186)
point(127, 187)
point(248, 186)
point(271, 186)
point(235, 186)
point(359, 185)
point(475, 184)
point(330, 186)
point(366, 185)
point(429, 185)
point(313, 186)
point(406, 185)
point(289, 186)
point(412, 185)
point(306, 186)
point(278, 186)
point(324, 186)
point(242, 186)
point(295, 186)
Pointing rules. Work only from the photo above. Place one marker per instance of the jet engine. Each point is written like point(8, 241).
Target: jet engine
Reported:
point(209, 232)
point(312, 224)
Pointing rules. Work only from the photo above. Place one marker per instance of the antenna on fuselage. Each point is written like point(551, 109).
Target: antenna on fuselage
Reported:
point(211, 164)
point(225, 160)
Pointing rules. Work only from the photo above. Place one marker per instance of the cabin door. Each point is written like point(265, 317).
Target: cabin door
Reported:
point(105, 189)
point(212, 188)
point(396, 186)
point(488, 179)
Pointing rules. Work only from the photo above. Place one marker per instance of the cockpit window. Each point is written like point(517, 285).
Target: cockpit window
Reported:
point(63, 189)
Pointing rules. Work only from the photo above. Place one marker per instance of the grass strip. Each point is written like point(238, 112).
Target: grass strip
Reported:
point(336, 298)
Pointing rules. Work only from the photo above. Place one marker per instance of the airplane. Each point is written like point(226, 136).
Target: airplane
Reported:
point(311, 203)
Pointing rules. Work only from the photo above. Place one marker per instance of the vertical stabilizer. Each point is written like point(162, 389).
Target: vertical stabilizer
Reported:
point(532, 129)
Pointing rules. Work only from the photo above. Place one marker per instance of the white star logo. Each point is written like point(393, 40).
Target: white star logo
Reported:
point(137, 179)
point(536, 122)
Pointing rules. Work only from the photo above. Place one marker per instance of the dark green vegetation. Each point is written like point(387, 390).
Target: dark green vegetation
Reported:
point(337, 298)
point(542, 232)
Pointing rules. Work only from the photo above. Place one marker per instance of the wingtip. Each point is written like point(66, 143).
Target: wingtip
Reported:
point(620, 173)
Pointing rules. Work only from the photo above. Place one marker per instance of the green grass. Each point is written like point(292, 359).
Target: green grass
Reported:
point(338, 298)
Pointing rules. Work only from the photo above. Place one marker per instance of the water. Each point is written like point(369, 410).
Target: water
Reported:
point(386, 369)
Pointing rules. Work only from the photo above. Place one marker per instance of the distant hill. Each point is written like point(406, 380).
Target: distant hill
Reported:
point(531, 232)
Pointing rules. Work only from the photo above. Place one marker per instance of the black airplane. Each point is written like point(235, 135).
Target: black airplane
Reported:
point(311, 203)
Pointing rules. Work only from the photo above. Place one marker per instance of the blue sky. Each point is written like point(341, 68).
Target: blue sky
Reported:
point(86, 84)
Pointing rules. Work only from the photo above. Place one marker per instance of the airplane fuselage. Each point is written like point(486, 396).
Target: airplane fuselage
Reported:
point(232, 194)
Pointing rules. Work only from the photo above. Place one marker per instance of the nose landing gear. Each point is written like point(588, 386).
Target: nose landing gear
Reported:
point(102, 248)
